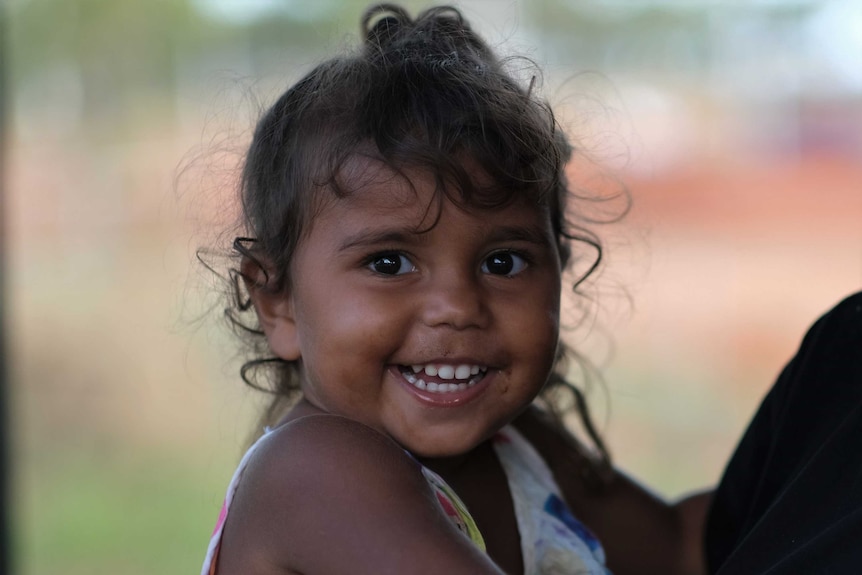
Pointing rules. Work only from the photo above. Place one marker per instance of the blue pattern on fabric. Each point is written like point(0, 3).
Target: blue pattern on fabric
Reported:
point(557, 508)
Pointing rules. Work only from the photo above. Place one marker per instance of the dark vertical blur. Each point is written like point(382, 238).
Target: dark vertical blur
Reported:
point(4, 383)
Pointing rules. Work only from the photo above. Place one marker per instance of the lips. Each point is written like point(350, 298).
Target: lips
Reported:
point(443, 378)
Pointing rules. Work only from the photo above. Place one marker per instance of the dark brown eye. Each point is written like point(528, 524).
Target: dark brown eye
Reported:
point(391, 264)
point(504, 264)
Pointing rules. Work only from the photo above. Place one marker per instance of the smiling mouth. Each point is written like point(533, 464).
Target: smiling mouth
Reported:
point(443, 378)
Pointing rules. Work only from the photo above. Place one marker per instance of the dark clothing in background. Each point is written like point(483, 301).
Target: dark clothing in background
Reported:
point(790, 500)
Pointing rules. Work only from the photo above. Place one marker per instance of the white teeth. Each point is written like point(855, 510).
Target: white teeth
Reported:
point(461, 376)
point(462, 371)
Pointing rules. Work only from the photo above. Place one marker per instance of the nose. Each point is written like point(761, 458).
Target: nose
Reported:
point(457, 301)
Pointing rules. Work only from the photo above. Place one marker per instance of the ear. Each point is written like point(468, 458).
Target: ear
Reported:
point(274, 309)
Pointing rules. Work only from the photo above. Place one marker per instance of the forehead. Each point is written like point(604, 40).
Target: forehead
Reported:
point(368, 184)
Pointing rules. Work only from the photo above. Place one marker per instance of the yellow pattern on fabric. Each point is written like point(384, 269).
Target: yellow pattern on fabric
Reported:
point(454, 508)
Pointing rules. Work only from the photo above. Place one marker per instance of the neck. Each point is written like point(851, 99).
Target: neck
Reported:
point(453, 466)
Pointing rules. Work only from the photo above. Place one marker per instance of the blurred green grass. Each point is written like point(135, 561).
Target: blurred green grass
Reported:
point(135, 514)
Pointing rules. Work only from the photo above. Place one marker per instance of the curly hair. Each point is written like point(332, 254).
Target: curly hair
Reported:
point(419, 93)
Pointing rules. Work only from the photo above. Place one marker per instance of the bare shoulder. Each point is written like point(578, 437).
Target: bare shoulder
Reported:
point(313, 446)
point(326, 494)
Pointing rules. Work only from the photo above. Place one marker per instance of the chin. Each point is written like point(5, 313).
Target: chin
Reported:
point(437, 453)
point(443, 447)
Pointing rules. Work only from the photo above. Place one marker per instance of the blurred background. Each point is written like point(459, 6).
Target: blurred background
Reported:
point(736, 126)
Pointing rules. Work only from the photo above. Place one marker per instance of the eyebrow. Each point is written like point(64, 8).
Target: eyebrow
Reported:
point(530, 234)
point(364, 238)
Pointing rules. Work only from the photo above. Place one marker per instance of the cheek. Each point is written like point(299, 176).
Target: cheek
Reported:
point(545, 343)
point(543, 323)
point(532, 330)
point(349, 323)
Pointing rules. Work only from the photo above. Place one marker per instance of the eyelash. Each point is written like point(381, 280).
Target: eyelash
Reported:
point(520, 263)
point(524, 262)
point(394, 255)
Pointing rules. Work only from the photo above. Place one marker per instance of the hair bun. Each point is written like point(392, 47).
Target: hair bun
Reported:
point(390, 19)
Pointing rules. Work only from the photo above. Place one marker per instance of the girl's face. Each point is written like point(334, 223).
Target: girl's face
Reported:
point(436, 338)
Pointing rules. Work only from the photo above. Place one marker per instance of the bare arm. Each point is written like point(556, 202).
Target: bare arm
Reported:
point(641, 532)
point(691, 512)
point(329, 495)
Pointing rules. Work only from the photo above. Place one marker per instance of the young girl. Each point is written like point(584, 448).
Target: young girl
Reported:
point(406, 213)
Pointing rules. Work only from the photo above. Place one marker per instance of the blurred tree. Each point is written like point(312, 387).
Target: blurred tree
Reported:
point(674, 39)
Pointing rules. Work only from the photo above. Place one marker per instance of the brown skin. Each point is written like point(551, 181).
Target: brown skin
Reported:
point(479, 480)
point(294, 504)
point(333, 490)
point(380, 283)
point(298, 513)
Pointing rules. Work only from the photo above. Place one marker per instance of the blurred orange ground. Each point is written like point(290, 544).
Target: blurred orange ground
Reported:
point(735, 263)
